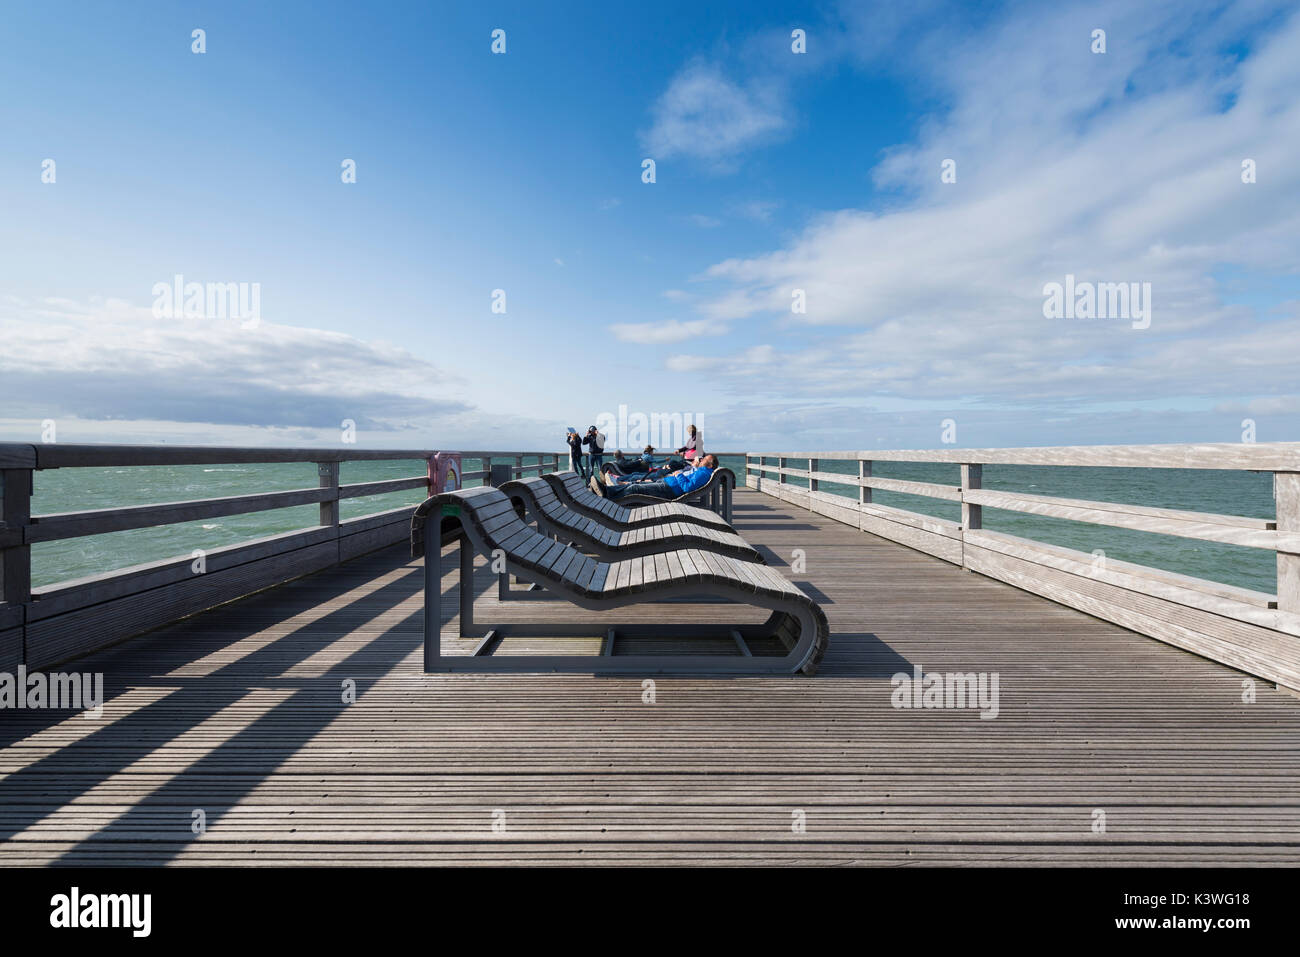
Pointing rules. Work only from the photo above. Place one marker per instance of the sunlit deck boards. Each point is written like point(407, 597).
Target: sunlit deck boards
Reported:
point(238, 713)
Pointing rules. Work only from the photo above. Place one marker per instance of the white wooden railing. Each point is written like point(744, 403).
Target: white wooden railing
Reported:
point(1255, 631)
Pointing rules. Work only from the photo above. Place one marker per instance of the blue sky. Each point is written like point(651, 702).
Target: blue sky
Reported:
point(775, 171)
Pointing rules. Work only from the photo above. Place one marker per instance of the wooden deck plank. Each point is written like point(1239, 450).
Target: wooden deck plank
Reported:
point(240, 712)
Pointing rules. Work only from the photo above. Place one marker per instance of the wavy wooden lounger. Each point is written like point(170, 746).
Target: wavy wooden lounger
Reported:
point(573, 492)
point(484, 520)
point(714, 494)
point(555, 518)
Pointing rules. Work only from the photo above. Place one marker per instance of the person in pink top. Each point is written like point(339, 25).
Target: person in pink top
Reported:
point(694, 446)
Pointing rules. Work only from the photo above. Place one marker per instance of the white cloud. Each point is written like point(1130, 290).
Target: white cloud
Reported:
point(704, 114)
point(1116, 167)
point(112, 361)
point(670, 330)
point(705, 222)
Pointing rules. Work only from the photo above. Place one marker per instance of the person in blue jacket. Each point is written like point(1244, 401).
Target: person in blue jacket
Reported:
point(671, 486)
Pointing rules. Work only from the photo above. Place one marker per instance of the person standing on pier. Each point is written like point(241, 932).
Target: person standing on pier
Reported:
point(596, 446)
point(575, 451)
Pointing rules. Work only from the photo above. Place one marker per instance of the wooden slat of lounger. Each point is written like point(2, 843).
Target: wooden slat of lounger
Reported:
point(773, 581)
point(722, 568)
point(489, 509)
point(707, 563)
point(694, 513)
point(499, 523)
point(690, 570)
point(574, 570)
point(729, 569)
point(755, 581)
point(516, 538)
point(700, 559)
point(581, 565)
point(536, 549)
point(559, 568)
point(586, 530)
point(588, 570)
point(552, 555)
point(649, 572)
point(675, 565)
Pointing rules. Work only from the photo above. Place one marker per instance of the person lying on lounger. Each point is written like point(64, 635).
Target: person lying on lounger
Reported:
point(671, 486)
point(641, 467)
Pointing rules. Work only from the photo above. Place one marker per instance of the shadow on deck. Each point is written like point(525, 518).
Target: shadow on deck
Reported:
point(236, 718)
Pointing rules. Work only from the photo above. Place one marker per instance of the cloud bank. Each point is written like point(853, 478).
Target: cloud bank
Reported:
point(1117, 167)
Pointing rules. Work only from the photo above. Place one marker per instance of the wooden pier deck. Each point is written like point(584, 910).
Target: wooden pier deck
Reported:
point(238, 713)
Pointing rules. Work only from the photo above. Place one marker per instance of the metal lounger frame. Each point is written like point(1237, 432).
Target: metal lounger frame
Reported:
point(469, 541)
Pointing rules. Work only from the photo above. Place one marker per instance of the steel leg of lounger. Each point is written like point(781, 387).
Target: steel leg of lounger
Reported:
point(534, 591)
point(466, 587)
point(608, 663)
point(432, 598)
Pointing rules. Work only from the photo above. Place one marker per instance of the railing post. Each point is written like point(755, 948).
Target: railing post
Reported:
point(329, 479)
point(814, 465)
point(972, 516)
point(519, 467)
point(864, 473)
point(15, 514)
point(780, 470)
point(1286, 495)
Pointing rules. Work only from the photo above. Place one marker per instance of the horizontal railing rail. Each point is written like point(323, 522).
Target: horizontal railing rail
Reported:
point(1254, 631)
point(57, 455)
point(43, 625)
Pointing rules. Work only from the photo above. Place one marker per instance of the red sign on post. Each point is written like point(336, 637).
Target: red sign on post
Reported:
point(444, 472)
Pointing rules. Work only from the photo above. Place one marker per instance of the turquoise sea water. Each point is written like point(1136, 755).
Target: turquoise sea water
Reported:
point(80, 489)
point(1226, 492)
point(1235, 493)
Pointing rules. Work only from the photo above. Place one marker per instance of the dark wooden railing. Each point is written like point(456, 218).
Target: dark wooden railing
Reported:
point(43, 626)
